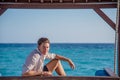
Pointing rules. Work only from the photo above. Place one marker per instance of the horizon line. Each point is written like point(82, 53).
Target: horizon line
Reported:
point(65, 43)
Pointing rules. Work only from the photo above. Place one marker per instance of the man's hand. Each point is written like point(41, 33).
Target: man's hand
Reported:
point(46, 73)
point(71, 64)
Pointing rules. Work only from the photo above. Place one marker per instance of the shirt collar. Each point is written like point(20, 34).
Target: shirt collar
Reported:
point(38, 51)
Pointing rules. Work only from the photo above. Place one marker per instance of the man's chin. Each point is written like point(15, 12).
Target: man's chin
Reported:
point(44, 53)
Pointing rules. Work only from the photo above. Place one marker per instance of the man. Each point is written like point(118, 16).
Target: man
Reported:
point(34, 63)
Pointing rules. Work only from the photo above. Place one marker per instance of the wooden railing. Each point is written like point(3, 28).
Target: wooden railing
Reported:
point(61, 78)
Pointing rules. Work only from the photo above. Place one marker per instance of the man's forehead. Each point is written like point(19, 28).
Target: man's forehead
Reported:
point(45, 44)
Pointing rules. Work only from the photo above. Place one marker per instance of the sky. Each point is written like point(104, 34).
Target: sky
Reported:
point(59, 25)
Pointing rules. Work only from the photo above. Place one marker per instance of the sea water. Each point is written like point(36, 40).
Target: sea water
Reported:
point(87, 57)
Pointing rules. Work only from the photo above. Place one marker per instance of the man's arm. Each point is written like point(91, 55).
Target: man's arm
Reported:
point(32, 73)
point(66, 59)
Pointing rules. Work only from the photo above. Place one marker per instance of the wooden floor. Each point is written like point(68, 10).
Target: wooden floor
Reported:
point(60, 78)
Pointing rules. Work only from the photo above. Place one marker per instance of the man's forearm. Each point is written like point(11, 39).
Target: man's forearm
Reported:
point(66, 59)
point(62, 58)
point(32, 73)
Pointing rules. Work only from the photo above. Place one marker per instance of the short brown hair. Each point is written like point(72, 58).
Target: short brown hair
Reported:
point(43, 40)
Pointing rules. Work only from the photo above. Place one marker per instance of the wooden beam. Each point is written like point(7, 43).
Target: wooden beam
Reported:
point(105, 17)
point(59, 78)
point(57, 5)
point(2, 10)
point(80, 1)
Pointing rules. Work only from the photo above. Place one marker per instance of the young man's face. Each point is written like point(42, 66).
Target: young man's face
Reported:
point(44, 48)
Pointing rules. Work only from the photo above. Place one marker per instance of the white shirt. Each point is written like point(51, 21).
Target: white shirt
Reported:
point(35, 61)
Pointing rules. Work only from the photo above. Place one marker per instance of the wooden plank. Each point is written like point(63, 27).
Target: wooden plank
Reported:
point(60, 78)
point(57, 5)
point(81, 1)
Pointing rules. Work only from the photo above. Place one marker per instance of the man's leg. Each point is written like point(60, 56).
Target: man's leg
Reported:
point(55, 64)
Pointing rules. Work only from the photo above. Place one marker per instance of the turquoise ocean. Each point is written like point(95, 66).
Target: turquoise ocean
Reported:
point(87, 57)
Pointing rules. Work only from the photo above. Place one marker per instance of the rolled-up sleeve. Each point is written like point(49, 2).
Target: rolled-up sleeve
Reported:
point(50, 55)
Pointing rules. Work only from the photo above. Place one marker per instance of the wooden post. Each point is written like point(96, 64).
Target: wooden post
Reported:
point(119, 48)
point(118, 21)
point(119, 45)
